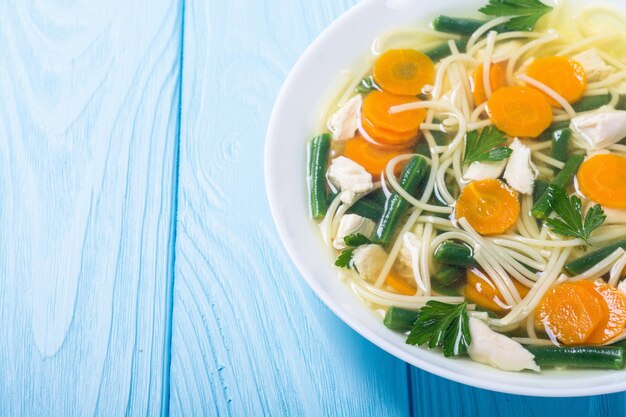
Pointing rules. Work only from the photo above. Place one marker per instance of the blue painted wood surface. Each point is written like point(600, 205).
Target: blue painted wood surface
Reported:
point(134, 221)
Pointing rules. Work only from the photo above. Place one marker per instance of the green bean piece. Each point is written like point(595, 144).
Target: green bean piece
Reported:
point(367, 208)
point(560, 144)
point(400, 319)
point(319, 148)
point(540, 187)
point(591, 102)
point(441, 51)
point(396, 206)
point(457, 254)
point(460, 26)
point(547, 134)
point(580, 265)
point(542, 208)
point(607, 357)
point(448, 279)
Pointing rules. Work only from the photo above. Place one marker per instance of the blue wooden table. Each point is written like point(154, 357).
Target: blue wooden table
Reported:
point(141, 272)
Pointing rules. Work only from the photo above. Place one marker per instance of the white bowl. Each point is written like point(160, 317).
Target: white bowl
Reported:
point(291, 125)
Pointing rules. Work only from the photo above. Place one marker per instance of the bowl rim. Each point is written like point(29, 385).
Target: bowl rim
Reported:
point(270, 174)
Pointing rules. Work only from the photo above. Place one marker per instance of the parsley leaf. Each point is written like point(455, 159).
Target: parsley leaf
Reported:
point(344, 259)
point(366, 85)
point(481, 148)
point(526, 12)
point(570, 218)
point(356, 239)
point(442, 325)
point(353, 240)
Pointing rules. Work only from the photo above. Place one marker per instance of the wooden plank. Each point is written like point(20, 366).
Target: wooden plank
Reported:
point(249, 338)
point(88, 132)
point(435, 396)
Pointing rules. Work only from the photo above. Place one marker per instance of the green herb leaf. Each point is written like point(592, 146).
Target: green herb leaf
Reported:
point(344, 259)
point(353, 240)
point(366, 85)
point(356, 239)
point(526, 12)
point(570, 218)
point(442, 325)
point(481, 148)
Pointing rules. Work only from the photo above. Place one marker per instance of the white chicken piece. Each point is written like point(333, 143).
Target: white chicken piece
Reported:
point(344, 122)
point(408, 254)
point(484, 170)
point(498, 350)
point(350, 177)
point(369, 261)
point(352, 223)
point(520, 172)
point(595, 67)
point(602, 128)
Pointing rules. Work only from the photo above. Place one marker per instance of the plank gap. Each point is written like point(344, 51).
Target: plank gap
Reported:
point(169, 302)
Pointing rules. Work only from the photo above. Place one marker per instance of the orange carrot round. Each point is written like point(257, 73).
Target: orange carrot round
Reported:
point(614, 323)
point(483, 292)
point(572, 311)
point(519, 111)
point(565, 76)
point(583, 312)
point(490, 206)
point(497, 80)
point(403, 71)
point(388, 137)
point(371, 157)
point(602, 178)
point(376, 108)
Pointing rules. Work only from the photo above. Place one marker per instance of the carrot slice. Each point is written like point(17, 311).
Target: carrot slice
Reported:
point(572, 311)
point(388, 137)
point(490, 206)
point(602, 178)
point(400, 285)
point(497, 79)
point(565, 76)
point(614, 322)
point(376, 108)
point(519, 111)
point(403, 71)
point(483, 292)
point(371, 157)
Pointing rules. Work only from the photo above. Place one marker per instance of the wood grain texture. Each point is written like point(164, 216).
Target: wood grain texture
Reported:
point(434, 396)
point(249, 337)
point(88, 128)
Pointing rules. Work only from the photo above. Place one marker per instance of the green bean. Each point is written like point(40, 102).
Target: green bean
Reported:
point(400, 319)
point(591, 102)
point(319, 148)
point(396, 206)
point(457, 254)
point(448, 279)
point(367, 208)
point(608, 357)
point(547, 134)
point(580, 265)
point(540, 187)
point(560, 144)
point(460, 26)
point(378, 196)
point(439, 52)
point(542, 208)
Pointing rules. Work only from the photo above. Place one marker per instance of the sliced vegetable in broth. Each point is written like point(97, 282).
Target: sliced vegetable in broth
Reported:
point(473, 185)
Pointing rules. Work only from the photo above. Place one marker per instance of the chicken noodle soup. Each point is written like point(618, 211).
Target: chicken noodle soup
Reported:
point(473, 187)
